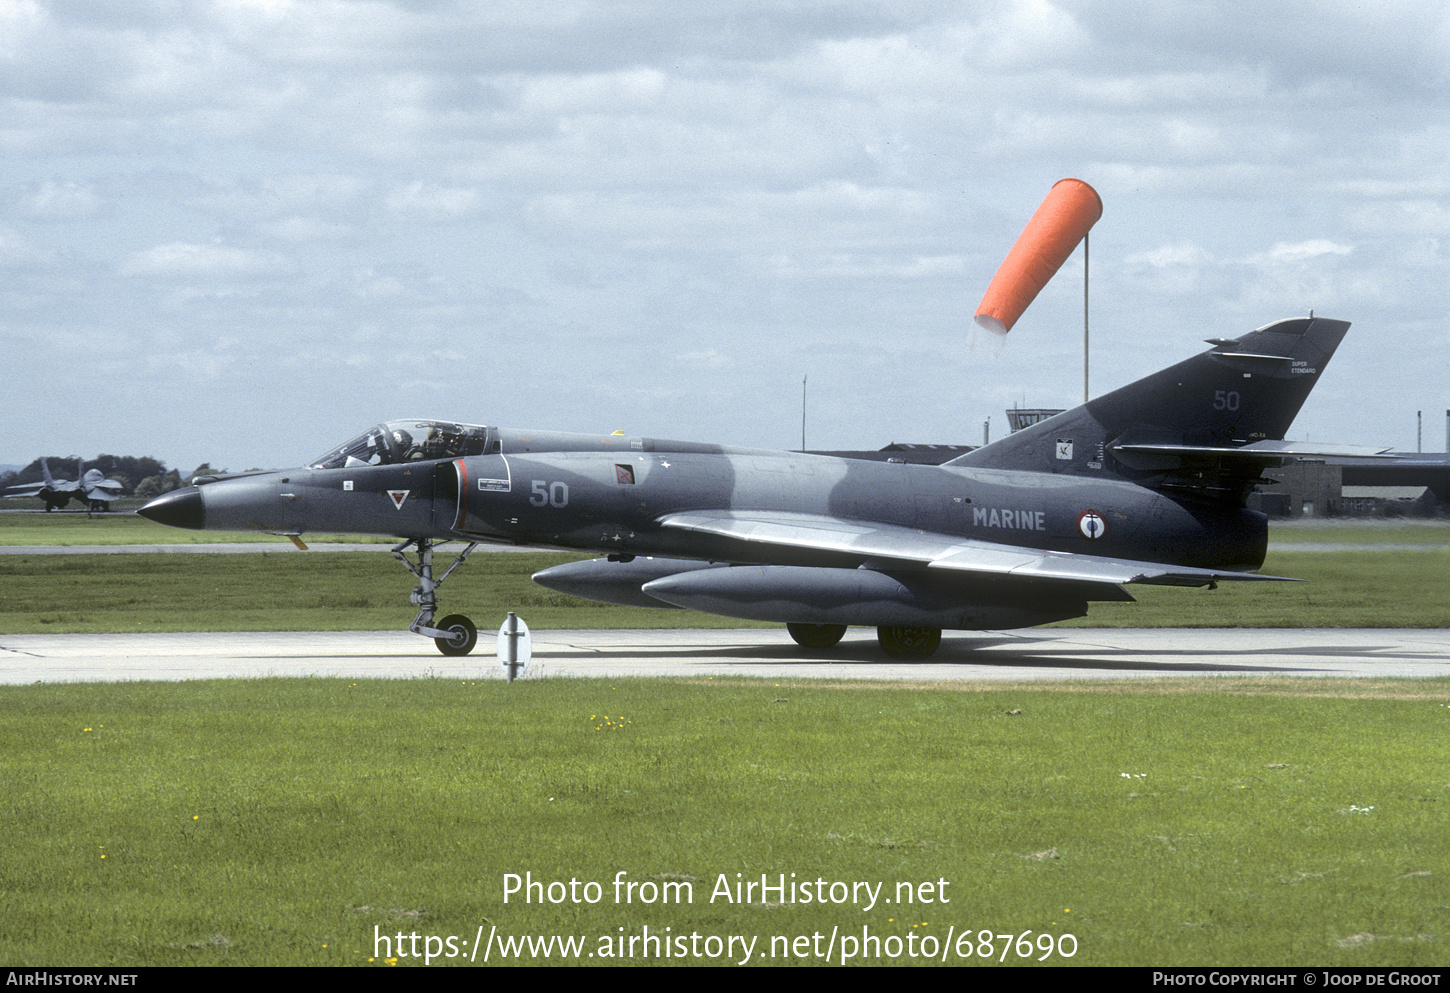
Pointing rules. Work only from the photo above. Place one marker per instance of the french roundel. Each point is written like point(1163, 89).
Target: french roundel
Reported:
point(1091, 525)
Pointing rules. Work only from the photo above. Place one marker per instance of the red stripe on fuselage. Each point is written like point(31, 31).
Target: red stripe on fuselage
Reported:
point(461, 517)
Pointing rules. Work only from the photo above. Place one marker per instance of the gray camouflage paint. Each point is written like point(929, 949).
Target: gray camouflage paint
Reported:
point(1154, 473)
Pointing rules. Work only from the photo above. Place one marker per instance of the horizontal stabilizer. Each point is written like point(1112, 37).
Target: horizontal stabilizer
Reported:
point(1260, 451)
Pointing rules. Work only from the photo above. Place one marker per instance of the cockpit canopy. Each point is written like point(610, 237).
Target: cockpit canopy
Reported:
point(407, 441)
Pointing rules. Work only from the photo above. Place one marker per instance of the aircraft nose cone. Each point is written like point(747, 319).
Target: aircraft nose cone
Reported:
point(180, 509)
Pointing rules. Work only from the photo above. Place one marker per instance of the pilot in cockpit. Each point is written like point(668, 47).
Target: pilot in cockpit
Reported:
point(404, 447)
point(437, 445)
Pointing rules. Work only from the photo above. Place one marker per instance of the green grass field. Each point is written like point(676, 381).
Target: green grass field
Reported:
point(257, 822)
point(329, 591)
point(1360, 531)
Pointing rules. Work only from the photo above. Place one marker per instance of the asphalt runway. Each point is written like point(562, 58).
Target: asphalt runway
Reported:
point(1079, 653)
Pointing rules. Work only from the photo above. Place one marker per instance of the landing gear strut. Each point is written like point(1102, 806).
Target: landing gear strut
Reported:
point(455, 634)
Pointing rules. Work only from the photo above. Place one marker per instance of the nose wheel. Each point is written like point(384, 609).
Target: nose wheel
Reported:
point(463, 638)
point(455, 634)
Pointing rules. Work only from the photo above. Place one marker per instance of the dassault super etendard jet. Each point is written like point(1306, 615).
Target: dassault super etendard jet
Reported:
point(1146, 484)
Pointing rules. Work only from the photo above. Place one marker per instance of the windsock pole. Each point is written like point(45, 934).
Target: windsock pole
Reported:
point(1072, 207)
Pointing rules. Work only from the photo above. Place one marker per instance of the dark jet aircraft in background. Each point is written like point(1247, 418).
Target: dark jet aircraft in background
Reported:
point(93, 489)
point(1146, 484)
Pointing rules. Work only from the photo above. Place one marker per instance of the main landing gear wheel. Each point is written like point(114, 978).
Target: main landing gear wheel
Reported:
point(465, 635)
point(908, 643)
point(816, 635)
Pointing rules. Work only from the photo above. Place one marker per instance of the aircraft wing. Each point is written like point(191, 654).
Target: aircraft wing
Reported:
point(1260, 451)
point(24, 490)
point(887, 543)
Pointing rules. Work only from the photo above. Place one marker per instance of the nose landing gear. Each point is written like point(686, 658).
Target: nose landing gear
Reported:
point(455, 634)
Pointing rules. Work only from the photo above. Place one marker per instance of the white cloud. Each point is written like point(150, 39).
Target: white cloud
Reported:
point(17, 250)
point(1176, 254)
point(708, 358)
point(845, 266)
point(1402, 218)
point(191, 260)
point(59, 201)
point(1302, 251)
point(1031, 34)
point(1227, 86)
point(196, 363)
point(307, 229)
point(435, 203)
point(328, 200)
point(19, 19)
point(613, 92)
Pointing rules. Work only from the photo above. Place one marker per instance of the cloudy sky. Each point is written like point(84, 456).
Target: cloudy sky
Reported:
point(241, 231)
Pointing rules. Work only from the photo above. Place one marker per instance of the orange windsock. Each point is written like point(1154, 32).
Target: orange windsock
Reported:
point(1072, 207)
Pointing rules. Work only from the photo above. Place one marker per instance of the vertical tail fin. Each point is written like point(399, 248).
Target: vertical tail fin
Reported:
point(1191, 424)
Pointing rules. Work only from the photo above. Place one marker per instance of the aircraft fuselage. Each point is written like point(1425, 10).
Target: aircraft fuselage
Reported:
point(613, 501)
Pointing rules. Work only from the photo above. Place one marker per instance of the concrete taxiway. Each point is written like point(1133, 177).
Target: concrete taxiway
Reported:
point(1080, 653)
